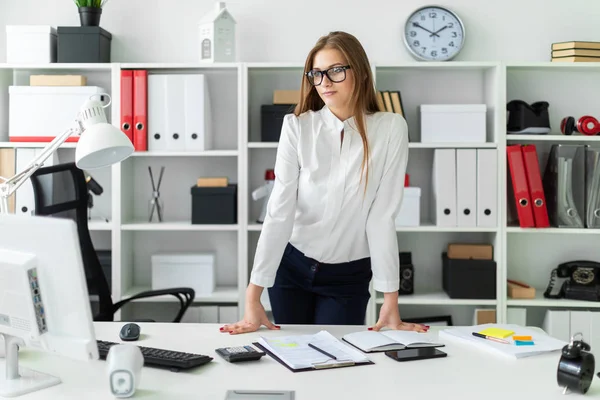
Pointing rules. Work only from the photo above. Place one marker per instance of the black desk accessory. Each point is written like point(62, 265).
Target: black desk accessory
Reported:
point(240, 353)
point(576, 366)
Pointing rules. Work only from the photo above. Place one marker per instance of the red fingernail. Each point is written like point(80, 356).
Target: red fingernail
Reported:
point(221, 328)
point(370, 329)
point(277, 326)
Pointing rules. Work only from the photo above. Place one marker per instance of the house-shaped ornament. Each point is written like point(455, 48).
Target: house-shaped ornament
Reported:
point(217, 35)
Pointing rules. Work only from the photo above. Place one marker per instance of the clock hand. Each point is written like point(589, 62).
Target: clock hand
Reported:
point(425, 29)
point(438, 31)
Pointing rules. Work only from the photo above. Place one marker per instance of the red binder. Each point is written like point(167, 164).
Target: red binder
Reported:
point(127, 103)
point(520, 186)
point(536, 189)
point(140, 110)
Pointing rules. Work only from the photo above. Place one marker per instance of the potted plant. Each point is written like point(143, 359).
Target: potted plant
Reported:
point(90, 11)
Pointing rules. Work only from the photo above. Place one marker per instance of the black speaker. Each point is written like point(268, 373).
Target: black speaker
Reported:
point(407, 274)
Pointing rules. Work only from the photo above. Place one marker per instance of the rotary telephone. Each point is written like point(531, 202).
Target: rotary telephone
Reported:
point(580, 281)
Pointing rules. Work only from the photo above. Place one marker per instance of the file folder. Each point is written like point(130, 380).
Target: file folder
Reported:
point(197, 107)
point(487, 188)
point(536, 189)
point(592, 187)
point(157, 123)
point(520, 188)
point(140, 110)
point(175, 112)
point(564, 185)
point(127, 103)
point(444, 187)
point(466, 187)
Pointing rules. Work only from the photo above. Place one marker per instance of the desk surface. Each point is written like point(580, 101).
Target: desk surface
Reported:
point(466, 373)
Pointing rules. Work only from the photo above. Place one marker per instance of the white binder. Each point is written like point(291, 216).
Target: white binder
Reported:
point(157, 109)
point(466, 187)
point(24, 196)
point(444, 187)
point(487, 188)
point(197, 114)
point(557, 323)
point(581, 322)
point(175, 112)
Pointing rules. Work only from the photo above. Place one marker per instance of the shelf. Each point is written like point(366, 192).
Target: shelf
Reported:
point(66, 145)
point(541, 301)
point(207, 153)
point(254, 227)
point(552, 138)
point(175, 226)
point(60, 66)
point(167, 66)
point(225, 294)
point(553, 65)
point(437, 298)
point(556, 231)
point(273, 145)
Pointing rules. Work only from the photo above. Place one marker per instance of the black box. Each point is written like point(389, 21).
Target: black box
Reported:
point(214, 205)
point(271, 120)
point(468, 278)
point(83, 44)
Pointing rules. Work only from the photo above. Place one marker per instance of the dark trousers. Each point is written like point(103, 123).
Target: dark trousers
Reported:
point(309, 292)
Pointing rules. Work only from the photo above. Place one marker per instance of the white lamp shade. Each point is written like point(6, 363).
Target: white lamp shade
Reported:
point(101, 145)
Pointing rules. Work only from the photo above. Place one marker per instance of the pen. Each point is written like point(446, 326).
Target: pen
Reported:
point(321, 351)
point(490, 338)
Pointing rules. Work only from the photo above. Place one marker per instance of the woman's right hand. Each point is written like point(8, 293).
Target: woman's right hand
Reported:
point(254, 317)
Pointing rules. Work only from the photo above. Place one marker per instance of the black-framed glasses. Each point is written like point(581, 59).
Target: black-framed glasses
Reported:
point(335, 74)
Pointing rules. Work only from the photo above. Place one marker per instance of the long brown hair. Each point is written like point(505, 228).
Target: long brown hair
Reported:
point(363, 98)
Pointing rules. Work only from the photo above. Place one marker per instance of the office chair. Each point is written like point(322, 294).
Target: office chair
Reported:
point(67, 197)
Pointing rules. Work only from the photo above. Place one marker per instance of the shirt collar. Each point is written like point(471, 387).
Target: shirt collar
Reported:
point(332, 121)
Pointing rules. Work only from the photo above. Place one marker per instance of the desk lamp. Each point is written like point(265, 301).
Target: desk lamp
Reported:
point(101, 144)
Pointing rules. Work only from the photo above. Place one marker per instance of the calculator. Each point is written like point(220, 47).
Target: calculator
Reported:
point(240, 353)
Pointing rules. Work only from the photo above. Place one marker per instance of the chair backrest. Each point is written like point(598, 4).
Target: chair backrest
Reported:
point(61, 191)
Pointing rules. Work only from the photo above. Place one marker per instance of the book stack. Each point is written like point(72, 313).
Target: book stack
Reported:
point(576, 51)
point(390, 101)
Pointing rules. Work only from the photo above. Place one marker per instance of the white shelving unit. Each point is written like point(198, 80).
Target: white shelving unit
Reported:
point(237, 92)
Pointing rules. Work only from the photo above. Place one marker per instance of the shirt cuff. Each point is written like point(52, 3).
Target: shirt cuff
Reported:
point(386, 286)
point(261, 280)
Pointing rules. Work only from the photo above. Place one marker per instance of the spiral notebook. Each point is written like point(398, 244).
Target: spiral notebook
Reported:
point(312, 352)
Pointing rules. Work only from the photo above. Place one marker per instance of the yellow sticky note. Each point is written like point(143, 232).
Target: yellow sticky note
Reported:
point(497, 332)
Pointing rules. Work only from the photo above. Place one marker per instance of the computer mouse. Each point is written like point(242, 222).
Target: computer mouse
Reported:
point(130, 332)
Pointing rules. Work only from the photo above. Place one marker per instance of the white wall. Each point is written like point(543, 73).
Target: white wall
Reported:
point(284, 30)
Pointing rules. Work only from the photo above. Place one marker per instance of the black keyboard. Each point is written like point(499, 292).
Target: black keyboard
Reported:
point(160, 358)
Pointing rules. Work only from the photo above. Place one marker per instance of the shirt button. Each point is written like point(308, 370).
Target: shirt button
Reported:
point(313, 267)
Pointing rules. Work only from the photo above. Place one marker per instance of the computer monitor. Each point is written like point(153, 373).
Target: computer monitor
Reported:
point(44, 301)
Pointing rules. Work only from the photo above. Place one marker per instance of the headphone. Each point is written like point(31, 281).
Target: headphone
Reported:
point(586, 125)
point(576, 366)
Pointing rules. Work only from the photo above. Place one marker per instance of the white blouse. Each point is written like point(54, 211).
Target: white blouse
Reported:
point(318, 203)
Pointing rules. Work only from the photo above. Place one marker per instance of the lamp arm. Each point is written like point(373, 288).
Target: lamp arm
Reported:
point(9, 186)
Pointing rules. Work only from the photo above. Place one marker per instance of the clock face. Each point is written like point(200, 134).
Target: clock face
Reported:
point(434, 34)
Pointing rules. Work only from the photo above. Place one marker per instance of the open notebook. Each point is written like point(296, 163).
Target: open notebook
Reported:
point(542, 343)
point(295, 353)
point(372, 341)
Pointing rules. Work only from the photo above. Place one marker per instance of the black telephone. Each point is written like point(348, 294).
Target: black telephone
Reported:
point(582, 281)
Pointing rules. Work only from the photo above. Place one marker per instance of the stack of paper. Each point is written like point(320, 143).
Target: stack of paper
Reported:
point(372, 341)
point(542, 343)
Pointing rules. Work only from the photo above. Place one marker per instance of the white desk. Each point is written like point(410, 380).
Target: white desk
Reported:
point(465, 374)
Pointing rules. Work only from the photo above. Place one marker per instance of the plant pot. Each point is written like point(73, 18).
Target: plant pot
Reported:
point(90, 16)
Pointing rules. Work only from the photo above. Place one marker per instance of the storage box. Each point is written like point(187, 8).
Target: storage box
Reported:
point(39, 113)
point(453, 123)
point(83, 44)
point(410, 210)
point(271, 120)
point(468, 278)
point(214, 205)
point(31, 44)
point(194, 270)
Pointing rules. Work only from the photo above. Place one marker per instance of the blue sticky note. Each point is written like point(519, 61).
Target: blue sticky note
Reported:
point(523, 342)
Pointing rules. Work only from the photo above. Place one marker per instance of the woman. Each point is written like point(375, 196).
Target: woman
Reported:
point(339, 178)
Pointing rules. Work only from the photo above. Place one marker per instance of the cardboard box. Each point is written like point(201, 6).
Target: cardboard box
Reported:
point(57, 80)
point(286, 97)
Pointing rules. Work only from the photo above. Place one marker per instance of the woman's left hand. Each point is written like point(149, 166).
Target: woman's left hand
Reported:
point(389, 317)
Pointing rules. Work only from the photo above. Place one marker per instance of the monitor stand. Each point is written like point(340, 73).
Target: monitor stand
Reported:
point(16, 381)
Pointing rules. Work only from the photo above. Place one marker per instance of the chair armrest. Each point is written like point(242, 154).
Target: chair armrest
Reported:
point(184, 295)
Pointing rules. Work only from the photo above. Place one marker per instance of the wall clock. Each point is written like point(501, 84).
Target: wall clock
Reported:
point(434, 33)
